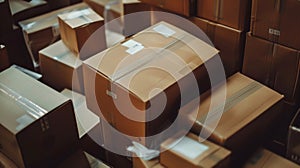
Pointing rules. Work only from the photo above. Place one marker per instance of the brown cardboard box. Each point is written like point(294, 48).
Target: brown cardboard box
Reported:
point(61, 68)
point(234, 13)
point(120, 61)
point(266, 159)
point(141, 163)
point(293, 150)
point(5, 162)
point(249, 111)
point(41, 31)
point(273, 65)
point(34, 131)
point(76, 159)
point(4, 61)
point(229, 41)
point(177, 6)
point(6, 18)
point(189, 152)
point(78, 27)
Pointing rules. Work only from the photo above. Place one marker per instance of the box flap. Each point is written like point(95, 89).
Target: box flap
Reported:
point(60, 52)
point(81, 17)
point(246, 100)
point(48, 20)
point(85, 119)
point(29, 96)
point(153, 59)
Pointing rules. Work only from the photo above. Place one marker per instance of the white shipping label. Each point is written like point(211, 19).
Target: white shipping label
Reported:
point(135, 49)
point(190, 148)
point(131, 43)
point(164, 30)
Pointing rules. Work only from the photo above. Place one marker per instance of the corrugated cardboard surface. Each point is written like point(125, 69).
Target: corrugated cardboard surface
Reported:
point(25, 139)
point(249, 105)
point(125, 65)
point(213, 156)
point(234, 13)
point(266, 159)
point(273, 65)
point(61, 68)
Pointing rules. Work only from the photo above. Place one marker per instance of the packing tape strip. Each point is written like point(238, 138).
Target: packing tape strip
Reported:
point(142, 151)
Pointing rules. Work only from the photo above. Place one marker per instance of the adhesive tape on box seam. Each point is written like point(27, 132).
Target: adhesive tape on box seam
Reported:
point(164, 30)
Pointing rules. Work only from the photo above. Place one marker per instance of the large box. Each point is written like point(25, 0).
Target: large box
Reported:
point(274, 65)
point(266, 159)
point(234, 13)
point(271, 20)
point(78, 30)
point(109, 78)
point(190, 151)
point(293, 145)
point(61, 68)
point(4, 60)
point(249, 112)
point(43, 30)
point(34, 119)
point(229, 41)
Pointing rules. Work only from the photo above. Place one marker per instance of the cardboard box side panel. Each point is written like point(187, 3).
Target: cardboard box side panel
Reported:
point(6, 162)
point(68, 35)
point(169, 159)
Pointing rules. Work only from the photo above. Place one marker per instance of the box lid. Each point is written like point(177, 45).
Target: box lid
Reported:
point(153, 59)
point(81, 17)
point(246, 100)
point(85, 119)
point(60, 52)
point(49, 19)
point(29, 100)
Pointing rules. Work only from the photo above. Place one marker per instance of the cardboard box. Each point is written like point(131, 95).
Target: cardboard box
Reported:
point(41, 31)
point(5, 162)
point(33, 120)
point(250, 110)
point(273, 65)
point(141, 163)
point(293, 145)
point(266, 159)
point(271, 20)
point(120, 61)
point(76, 159)
point(185, 7)
point(229, 41)
point(61, 68)
point(188, 151)
point(78, 29)
point(6, 18)
point(234, 13)
point(4, 61)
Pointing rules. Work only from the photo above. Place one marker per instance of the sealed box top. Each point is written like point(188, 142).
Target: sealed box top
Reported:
point(155, 58)
point(49, 19)
point(85, 119)
point(60, 52)
point(246, 100)
point(80, 17)
point(196, 151)
point(24, 100)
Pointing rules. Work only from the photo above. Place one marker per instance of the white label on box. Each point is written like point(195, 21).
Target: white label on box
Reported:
point(131, 43)
point(135, 49)
point(164, 30)
point(274, 32)
point(23, 121)
point(190, 148)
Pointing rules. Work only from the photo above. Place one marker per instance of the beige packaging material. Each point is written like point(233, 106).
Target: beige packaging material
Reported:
point(188, 151)
point(34, 119)
point(85, 119)
point(250, 110)
point(41, 31)
point(110, 77)
point(80, 31)
point(61, 68)
point(266, 159)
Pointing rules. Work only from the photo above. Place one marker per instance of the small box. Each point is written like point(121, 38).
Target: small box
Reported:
point(34, 119)
point(232, 13)
point(41, 31)
point(188, 151)
point(4, 61)
point(249, 112)
point(293, 145)
point(110, 72)
point(273, 65)
point(266, 159)
point(78, 30)
point(61, 68)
